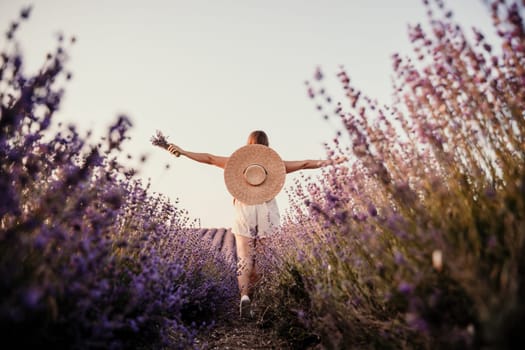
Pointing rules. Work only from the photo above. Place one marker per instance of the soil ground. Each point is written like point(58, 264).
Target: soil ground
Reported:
point(242, 336)
point(232, 333)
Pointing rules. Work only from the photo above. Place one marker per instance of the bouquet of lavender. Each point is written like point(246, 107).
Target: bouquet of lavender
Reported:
point(161, 141)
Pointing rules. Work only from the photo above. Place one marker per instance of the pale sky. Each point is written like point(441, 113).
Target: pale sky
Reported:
point(207, 73)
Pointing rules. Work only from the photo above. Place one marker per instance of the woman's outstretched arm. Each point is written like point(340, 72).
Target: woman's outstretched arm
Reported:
point(205, 158)
point(295, 165)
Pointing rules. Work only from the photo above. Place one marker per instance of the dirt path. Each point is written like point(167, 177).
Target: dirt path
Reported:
point(237, 335)
point(231, 333)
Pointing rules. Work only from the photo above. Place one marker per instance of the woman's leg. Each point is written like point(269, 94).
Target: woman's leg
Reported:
point(245, 262)
point(257, 251)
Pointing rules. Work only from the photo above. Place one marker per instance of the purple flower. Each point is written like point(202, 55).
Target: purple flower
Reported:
point(159, 140)
point(26, 12)
point(359, 217)
point(399, 258)
point(416, 322)
point(32, 296)
point(405, 288)
point(318, 74)
point(372, 210)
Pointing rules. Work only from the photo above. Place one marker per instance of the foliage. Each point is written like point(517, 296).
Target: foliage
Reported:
point(420, 241)
point(89, 258)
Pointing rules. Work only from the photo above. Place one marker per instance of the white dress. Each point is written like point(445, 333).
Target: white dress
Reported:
point(256, 221)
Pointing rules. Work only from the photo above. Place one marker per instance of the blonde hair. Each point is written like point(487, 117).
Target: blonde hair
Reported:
point(258, 137)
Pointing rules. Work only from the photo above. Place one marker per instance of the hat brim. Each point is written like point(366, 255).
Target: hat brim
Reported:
point(248, 155)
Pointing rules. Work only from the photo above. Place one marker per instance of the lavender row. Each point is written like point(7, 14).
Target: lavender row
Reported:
point(89, 257)
point(419, 242)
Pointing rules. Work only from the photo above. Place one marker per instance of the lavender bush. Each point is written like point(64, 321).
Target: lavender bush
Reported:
point(420, 241)
point(89, 258)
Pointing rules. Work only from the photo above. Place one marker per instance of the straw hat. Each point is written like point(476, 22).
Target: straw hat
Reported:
point(254, 174)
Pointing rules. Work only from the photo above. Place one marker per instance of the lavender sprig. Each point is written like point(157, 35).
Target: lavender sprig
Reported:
point(161, 141)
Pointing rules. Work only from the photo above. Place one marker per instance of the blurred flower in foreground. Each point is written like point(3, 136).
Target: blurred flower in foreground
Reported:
point(437, 259)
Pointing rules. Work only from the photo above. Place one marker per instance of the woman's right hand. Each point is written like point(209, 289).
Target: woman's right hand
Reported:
point(174, 149)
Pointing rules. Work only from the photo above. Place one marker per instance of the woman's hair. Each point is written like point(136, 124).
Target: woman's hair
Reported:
point(258, 137)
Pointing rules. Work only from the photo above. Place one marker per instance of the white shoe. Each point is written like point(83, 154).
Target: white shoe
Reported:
point(245, 307)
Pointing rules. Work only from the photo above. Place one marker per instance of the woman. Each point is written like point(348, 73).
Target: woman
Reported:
point(253, 222)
